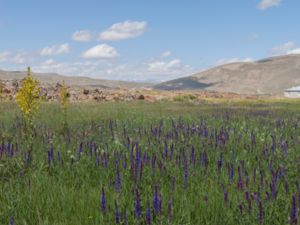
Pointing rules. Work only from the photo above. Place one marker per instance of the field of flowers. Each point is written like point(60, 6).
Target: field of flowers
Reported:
point(158, 163)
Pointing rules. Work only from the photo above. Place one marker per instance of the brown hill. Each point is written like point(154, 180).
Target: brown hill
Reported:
point(267, 76)
point(52, 78)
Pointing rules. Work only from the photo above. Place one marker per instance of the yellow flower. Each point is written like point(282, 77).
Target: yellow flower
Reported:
point(28, 96)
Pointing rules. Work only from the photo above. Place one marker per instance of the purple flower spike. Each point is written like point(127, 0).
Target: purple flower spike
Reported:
point(103, 201)
point(241, 208)
point(260, 212)
point(225, 196)
point(118, 180)
point(294, 213)
point(173, 184)
point(148, 215)
point(11, 220)
point(186, 173)
point(156, 201)
point(117, 214)
point(170, 209)
point(137, 205)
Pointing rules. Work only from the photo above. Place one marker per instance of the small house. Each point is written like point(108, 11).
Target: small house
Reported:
point(293, 92)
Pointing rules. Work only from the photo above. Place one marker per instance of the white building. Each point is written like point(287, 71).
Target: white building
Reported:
point(293, 92)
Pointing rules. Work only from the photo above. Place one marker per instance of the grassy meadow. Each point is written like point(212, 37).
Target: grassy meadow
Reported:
point(216, 163)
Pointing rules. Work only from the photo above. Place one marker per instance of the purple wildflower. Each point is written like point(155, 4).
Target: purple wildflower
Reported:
point(118, 179)
point(241, 207)
point(220, 163)
point(294, 213)
point(117, 214)
point(156, 201)
point(148, 215)
point(137, 205)
point(225, 196)
point(173, 184)
point(260, 212)
point(103, 201)
point(11, 220)
point(248, 201)
point(186, 174)
point(170, 209)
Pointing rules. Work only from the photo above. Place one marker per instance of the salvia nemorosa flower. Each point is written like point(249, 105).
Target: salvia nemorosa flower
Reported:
point(185, 176)
point(156, 201)
point(170, 209)
point(260, 212)
point(137, 205)
point(173, 183)
point(294, 212)
point(118, 179)
point(241, 207)
point(11, 220)
point(103, 201)
point(80, 150)
point(225, 195)
point(247, 196)
point(220, 163)
point(148, 215)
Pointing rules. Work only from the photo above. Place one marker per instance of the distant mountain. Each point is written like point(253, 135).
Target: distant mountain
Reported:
point(53, 78)
point(267, 76)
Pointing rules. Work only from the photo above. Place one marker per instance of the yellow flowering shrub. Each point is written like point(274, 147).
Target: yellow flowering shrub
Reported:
point(28, 96)
point(64, 97)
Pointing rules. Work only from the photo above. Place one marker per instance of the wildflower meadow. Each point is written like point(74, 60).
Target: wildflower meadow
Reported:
point(151, 163)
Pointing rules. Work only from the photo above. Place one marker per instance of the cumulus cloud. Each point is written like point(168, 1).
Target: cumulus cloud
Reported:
point(164, 66)
point(82, 36)
point(151, 70)
point(283, 49)
point(100, 51)
point(124, 30)
point(233, 60)
point(55, 50)
point(265, 4)
point(19, 57)
point(294, 51)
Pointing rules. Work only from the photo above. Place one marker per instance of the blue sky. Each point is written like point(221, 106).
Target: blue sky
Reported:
point(143, 40)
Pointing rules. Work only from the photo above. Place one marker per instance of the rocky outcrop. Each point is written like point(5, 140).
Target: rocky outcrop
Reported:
point(76, 94)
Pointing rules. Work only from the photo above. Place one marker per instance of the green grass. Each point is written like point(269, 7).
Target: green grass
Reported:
point(68, 190)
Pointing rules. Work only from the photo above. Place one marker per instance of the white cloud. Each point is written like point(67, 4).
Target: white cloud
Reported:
point(283, 49)
point(82, 36)
point(164, 66)
point(4, 56)
point(124, 30)
point(233, 60)
point(155, 69)
point(100, 51)
point(294, 51)
point(19, 57)
point(55, 50)
point(165, 54)
point(264, 4)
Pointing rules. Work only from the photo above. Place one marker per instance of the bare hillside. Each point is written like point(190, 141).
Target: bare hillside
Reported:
point(267, 76)
point(52, 78)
